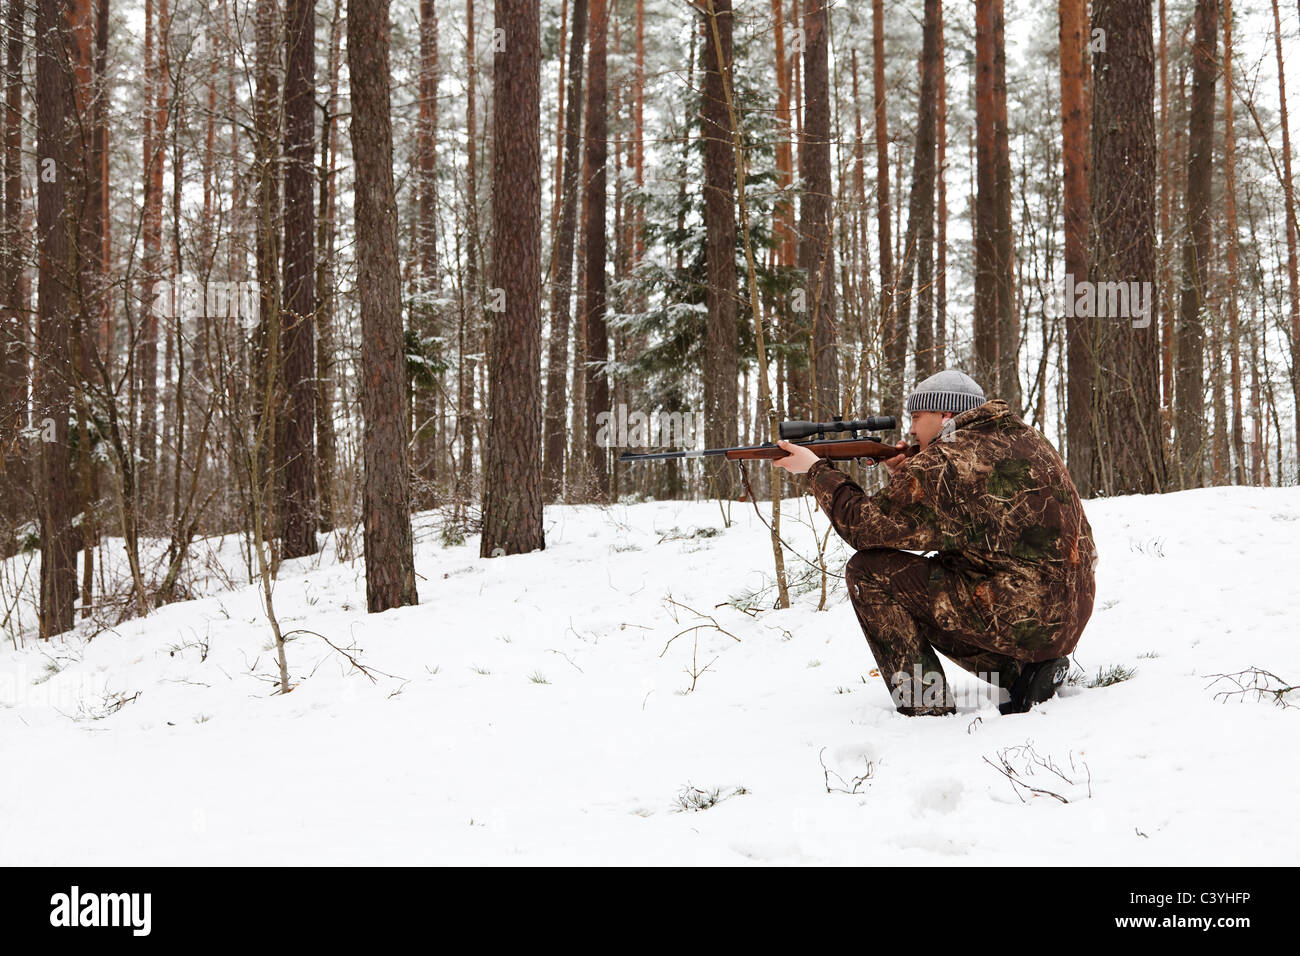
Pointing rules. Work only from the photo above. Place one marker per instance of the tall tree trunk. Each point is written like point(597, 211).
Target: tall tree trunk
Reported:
point(155, 138)
point(1166, 240)
point(892, 384)
point(557, 366)
point(52, 396)
point(861, 270)
point(425, 319)
point(13, 318)
point(597, 338)
point(557, 185)
point(985, 359)
point(1079, 330)
point(473, 314)
point(1008, 319)
point(920, 217)
point(1230, 249)
point(941, 214)
point(1189, 377)
point(267, 142)
point(816, 213)
point(299, 326)
point(512, 487)
point(88, 282)
point(1288, 189)
point(783, 211)
point(721, 361)
point(326, 230)
point(638, 138)
point(390, 564)
point(1122, 194)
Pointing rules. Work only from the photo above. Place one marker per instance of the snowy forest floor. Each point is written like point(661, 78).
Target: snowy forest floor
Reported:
point(538, 709)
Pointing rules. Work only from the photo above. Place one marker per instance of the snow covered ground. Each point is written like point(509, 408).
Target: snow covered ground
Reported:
point(536, 709)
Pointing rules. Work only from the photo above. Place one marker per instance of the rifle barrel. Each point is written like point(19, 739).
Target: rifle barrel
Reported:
point(768, 450)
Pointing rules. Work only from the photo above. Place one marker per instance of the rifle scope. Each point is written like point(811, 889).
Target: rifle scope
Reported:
point(792, 431)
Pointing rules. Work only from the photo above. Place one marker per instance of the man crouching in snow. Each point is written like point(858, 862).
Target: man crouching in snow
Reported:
point(1011, 586)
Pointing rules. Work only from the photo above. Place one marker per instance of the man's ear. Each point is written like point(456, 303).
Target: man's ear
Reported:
point(949, 429)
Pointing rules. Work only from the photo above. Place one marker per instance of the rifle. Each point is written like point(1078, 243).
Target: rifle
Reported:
point(836, 449)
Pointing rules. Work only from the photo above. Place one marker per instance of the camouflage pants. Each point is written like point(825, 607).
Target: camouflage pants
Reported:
point(900, 599)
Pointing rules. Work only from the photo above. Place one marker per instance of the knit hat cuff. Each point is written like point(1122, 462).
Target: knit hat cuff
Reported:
point(955, 402)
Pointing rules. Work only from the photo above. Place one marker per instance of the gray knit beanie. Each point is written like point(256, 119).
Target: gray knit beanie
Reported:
point(946, 391)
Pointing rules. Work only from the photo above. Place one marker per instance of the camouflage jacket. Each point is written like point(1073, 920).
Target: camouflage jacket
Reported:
point(994, 499)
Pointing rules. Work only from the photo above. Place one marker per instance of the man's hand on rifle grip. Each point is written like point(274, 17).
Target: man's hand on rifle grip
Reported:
point(895, 463)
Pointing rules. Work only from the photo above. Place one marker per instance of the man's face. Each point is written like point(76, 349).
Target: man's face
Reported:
point(927, 425)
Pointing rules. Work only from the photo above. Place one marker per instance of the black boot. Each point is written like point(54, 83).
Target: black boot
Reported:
point(1036, 683)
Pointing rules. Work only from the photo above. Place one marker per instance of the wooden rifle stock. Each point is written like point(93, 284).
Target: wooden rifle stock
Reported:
point(834, 449)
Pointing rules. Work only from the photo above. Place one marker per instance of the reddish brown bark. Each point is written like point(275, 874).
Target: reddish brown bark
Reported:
point(471, 316)
point(1008, 319)
point(816, 213)
point(1230, 249)
point(562, 289)
point(1189, 375)
point(783, 212)
point(13, 318)
point(985, 365)
point(941, 214)
point(1080, 343)
point(891, 393)
point(1288, 189)
point(512, 488)
point(151, 263)
point(920, 216)
point(597, 338)
point(424, 321)
point(54, 371)
point(721, 361)
point(298, 312)
point(390, 566)
point(1123, 203)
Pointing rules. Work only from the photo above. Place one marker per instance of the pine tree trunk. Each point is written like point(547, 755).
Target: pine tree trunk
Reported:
point(985, 359)
point(299, 325)
point(326, 231)
point(425, 320)
point(721, 365)
point(816, 215)
point(155, 138)
point(267, 144)
point(892, 386)
point(88, 277)
point(390, 565)
point(512, 487)
point(52, 393)
point(1288, 189)
point(1079, 335)
point(1123, 209)
point(1230, 248)
point(861, 253)
point(597, 338)
point(921, 203)
point(1008, 321)
point(1189, 376)
point(13, 319)
point(1166, 239)
point(557, 366)
point(783, 211)
point(941, 215)
point(472, 314)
